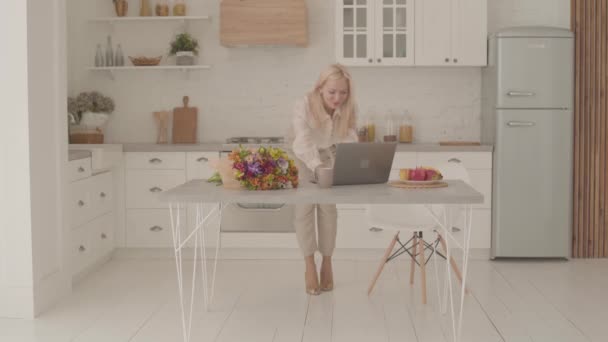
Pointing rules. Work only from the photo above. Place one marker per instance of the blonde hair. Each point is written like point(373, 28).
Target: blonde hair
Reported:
point(316, 109)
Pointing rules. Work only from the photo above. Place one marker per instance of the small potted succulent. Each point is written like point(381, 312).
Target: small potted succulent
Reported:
point(184, 47)
point(90, 111)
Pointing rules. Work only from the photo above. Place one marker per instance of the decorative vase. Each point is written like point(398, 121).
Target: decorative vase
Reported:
point(121, 7)
point(179, 9)
point(185, 58)
point(90, 120)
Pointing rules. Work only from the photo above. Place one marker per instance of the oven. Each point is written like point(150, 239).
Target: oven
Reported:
point(256, 217)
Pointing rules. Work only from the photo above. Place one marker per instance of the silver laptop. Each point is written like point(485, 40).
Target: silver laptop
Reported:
point(363, 163)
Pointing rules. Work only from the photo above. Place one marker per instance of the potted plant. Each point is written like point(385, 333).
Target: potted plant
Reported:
point(184, 47)
point(91, 111)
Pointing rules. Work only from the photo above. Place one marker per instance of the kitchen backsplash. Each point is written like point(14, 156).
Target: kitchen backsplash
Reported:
point(251, 91)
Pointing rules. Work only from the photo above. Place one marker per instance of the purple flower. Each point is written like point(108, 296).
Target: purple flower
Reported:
point(254, 168)
point(283, 164)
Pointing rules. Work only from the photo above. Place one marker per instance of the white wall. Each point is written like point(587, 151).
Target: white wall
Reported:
point(251, 91)
point(15, 220)
point(33, 157)
point(504, 13)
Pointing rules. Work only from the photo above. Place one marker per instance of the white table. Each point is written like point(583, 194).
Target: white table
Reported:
point(198, 192)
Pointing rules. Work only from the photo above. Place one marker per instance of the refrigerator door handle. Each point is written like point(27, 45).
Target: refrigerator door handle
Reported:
point(520, 93)
point(520, 124)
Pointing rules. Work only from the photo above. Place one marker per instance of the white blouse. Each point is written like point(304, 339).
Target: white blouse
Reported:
point(308, 141)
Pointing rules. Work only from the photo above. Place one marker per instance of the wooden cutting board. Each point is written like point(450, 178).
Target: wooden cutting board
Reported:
point(184, 123)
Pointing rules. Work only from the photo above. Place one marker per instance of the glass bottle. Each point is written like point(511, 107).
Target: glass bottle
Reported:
point(119, 58)
point(406, 130)
point(109, 53)
point(99, 57)
point(390, 128)
point(370, 125)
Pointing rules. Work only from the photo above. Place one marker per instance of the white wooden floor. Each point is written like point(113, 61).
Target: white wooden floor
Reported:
point(264, 300)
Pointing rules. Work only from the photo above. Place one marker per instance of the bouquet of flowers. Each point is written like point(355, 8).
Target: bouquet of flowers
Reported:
point(267, 168)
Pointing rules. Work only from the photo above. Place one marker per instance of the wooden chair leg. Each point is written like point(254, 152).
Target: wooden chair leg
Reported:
point(413, 262)
point(452, 262)
point(422, 263)
point(387, 254)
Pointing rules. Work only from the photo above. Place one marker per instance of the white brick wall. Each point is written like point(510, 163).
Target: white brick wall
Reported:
point(250, 91)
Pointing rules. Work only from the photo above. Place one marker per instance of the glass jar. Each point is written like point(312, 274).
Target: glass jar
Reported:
point(390, 128)
point(179, 8)
point(370, 125)
point(406, 129)
point(162, 8)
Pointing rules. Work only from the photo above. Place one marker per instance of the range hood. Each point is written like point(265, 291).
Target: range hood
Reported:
point(263, 23)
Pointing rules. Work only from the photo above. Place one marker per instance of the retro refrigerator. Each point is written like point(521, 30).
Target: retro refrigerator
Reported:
point(527, 97)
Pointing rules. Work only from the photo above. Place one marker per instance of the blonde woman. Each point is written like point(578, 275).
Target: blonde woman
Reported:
point(324, 117)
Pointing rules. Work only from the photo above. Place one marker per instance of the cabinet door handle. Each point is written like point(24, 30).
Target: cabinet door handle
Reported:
point(156, 189)
point(454, 160)
point(81, 203)
point(102, 194)
point(447, 60)
point(520, 124)
point(80, 169)
point(103, 236)
point(156, 229)
point(375, 229)
point(155, 161)
point(202, 159)
point(455, 60)
point(521, 93)
point(81, 249)
point(370, 60)
point(379, 60)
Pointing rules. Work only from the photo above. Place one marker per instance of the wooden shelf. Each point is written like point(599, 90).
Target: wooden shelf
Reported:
point(184, 68)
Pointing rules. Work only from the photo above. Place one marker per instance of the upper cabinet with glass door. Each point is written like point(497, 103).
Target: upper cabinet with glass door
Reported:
point(375, 32)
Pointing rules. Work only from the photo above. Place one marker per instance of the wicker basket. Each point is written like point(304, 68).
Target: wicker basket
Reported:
point(86, 138)
point(145, 61)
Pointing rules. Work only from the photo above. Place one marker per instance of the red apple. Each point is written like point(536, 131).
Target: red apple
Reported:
point(419, 174)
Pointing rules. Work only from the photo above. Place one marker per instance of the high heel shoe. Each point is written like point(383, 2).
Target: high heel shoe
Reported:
point(327, 282)
point(311, 289)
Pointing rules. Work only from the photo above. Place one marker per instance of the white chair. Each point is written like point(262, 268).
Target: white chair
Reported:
point(417, 224)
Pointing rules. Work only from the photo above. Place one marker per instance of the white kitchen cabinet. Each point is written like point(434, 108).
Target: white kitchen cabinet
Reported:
point(451, 32)
point(144, 186)
point(375, 32)
point(90, 215)
point(155, 160)
point(152, 227)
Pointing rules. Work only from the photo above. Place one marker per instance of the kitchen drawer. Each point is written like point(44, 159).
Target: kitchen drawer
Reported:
point(197, 164)
point(144, 186)
point(79, 169)
point(404, 160)
point(80, 202)
point(481, 180)
point(353, 231)
point(102, 236)
point(481, 229)
point(101, 195)
point(81, 252)
point(152, 227)
point(470, 160)
point(156, 160)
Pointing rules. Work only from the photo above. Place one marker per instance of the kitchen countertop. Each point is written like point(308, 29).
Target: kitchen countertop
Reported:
point(218, 146)
point(78, 154)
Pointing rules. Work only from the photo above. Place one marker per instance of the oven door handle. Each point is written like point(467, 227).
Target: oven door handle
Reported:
point(245, 208)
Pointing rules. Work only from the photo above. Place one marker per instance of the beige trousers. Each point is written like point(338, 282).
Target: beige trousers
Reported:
point(323, 217)
point(326, 220)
